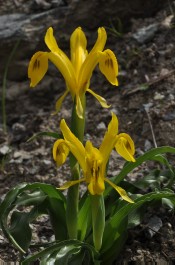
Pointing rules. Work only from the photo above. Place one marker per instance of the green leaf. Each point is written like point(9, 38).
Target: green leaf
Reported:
point(45, 198)
point(50, 134)
point(68, 252)
point(20, 229)
point(84, 219)
point(112, 230)
point(57, 213)
point(145, 157)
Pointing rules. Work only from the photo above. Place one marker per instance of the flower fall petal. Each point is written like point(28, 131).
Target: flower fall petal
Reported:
point(37, 67)
point(125, 147)
point(108, 66)
point(60, 151)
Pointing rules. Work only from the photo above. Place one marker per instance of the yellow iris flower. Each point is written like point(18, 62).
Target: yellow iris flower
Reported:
point(76, 71)
point(93, 161)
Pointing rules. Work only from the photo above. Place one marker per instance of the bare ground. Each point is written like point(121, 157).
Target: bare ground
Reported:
point(146, 80)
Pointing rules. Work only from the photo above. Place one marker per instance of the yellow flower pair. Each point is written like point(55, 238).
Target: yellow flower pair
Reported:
point(76, 71)
point(93, 161)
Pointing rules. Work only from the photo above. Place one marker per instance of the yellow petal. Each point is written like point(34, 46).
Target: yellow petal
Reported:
point(75, 146)
point(37, 67)
point(96, 187)
point(91, 61)
point(78, 44)
point(79, 107)
point(51, 41)
point(60, 151)
point(64, 65)
point(68, 184)
point(61, 61)
point(109, 139)
point(100, 42)
point(59, 102)
point(94, 176)
point(108, 66)
point(100, 99)
point(121, 191)
point(125, 147)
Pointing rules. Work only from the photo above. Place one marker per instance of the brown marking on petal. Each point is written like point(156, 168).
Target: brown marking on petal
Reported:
point(107, 62)
point(36, 64)
point(58, 152)
point(111, 63)
point(95, 171)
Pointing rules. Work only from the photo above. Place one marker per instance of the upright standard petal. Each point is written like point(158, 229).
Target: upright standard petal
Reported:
point(60, 151)
point(61, 61)
point(78, 45)
point(125, 147)
point(100, 42)
point(91, 61)
point(66, 69)
point(108, 66)
point(37, 67)
point(75, 146)
point(109, 139)
point(51, 41)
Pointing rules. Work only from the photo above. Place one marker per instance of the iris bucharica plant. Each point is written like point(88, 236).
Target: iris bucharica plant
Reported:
point(89, 228)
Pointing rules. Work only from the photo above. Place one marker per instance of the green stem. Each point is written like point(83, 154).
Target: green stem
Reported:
point(98, 219)
point(77, 127)
point(4, 85)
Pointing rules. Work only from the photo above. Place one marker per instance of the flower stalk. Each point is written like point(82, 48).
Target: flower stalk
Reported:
point(77, 127)
point(98, 219)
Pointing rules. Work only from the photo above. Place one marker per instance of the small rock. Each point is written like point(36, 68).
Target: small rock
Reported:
point(115, 111)
point(171, 97)
point(167, 21)
point(147, 145)
point(169, 116)
point(146, 33)
point(47, 162)
point(23, 154)
point(158, 96)
point(4, 150)
point(154, 225)
point(101, 126)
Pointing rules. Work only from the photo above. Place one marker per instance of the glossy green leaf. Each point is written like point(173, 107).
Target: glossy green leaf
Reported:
point(112, 230)
point(45, 198)
point(84, 219)
point(150, 155)
point(68, 252)
point(20, 229)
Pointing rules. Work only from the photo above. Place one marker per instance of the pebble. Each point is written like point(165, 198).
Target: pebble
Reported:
point(158, 96)
point(4, 150)
point(147, 145)
point(146, 33)
point(154, 225)
point(101, 126)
